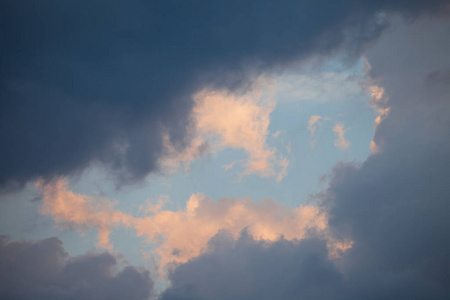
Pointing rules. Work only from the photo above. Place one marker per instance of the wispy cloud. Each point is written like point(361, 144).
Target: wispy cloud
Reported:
point(314, 123)
point(378, 101)
point(340, 141)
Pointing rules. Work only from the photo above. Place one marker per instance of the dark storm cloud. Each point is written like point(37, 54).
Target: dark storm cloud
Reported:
point(85, 81)
point(43, 270)
point(248, 269)
point(394, 206)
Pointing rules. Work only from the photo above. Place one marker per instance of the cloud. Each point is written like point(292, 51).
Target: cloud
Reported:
point(340, 141)
point(250, 269)
point(314, 123)
point(394, 206)
point(378, 101)
point(276, 134)
point(184, 234)
point(238, 121)
point(43, 270)
point(80, 212)
point(85, 82)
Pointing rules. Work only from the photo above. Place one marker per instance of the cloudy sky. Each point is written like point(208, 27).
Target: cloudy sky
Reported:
point(225, 150)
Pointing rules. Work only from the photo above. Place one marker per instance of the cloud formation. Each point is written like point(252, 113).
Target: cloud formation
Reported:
point(85, 82)
point(43, 270)
point(394, 206)
point(313, 124)
point(80, 212)
point(184, 234)
point(378, 101)
point(249, 269)
point(238, 121)
point(340, 141)
point(387, 217)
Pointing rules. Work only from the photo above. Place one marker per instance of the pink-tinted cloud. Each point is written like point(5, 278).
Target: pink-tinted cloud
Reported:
point(238, 121)
point(378, 101)
point(340, 141)
point(80, 212)
point(184, 234)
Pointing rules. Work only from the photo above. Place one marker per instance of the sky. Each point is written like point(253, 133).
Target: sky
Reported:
point(224, 150)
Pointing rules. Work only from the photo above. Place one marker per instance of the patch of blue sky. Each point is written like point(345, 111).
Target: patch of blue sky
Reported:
point(332, 92)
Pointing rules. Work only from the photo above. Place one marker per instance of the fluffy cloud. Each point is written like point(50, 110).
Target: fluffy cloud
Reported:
point(86, 82)
point(80, 212)
point(43, 270)
point(184, 234)
point(223, 120)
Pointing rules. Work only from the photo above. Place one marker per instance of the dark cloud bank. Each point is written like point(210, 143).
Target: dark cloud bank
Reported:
point(43, 270)
point(97, 81)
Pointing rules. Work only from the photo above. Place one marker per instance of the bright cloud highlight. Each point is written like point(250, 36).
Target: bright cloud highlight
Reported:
point(238, 121)
point(184, 234)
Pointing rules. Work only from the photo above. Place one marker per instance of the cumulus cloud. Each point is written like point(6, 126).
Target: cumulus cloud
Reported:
point(222, 120)
point(395, 204)
point(43, 270)
point(86, 82)
point(184, 234)
point(80, 212)
point(249, 269)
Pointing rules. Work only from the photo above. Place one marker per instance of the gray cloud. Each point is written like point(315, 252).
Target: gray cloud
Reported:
point(98, 81)
point(249, 269)
point(43, 270)
point(394, 206)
